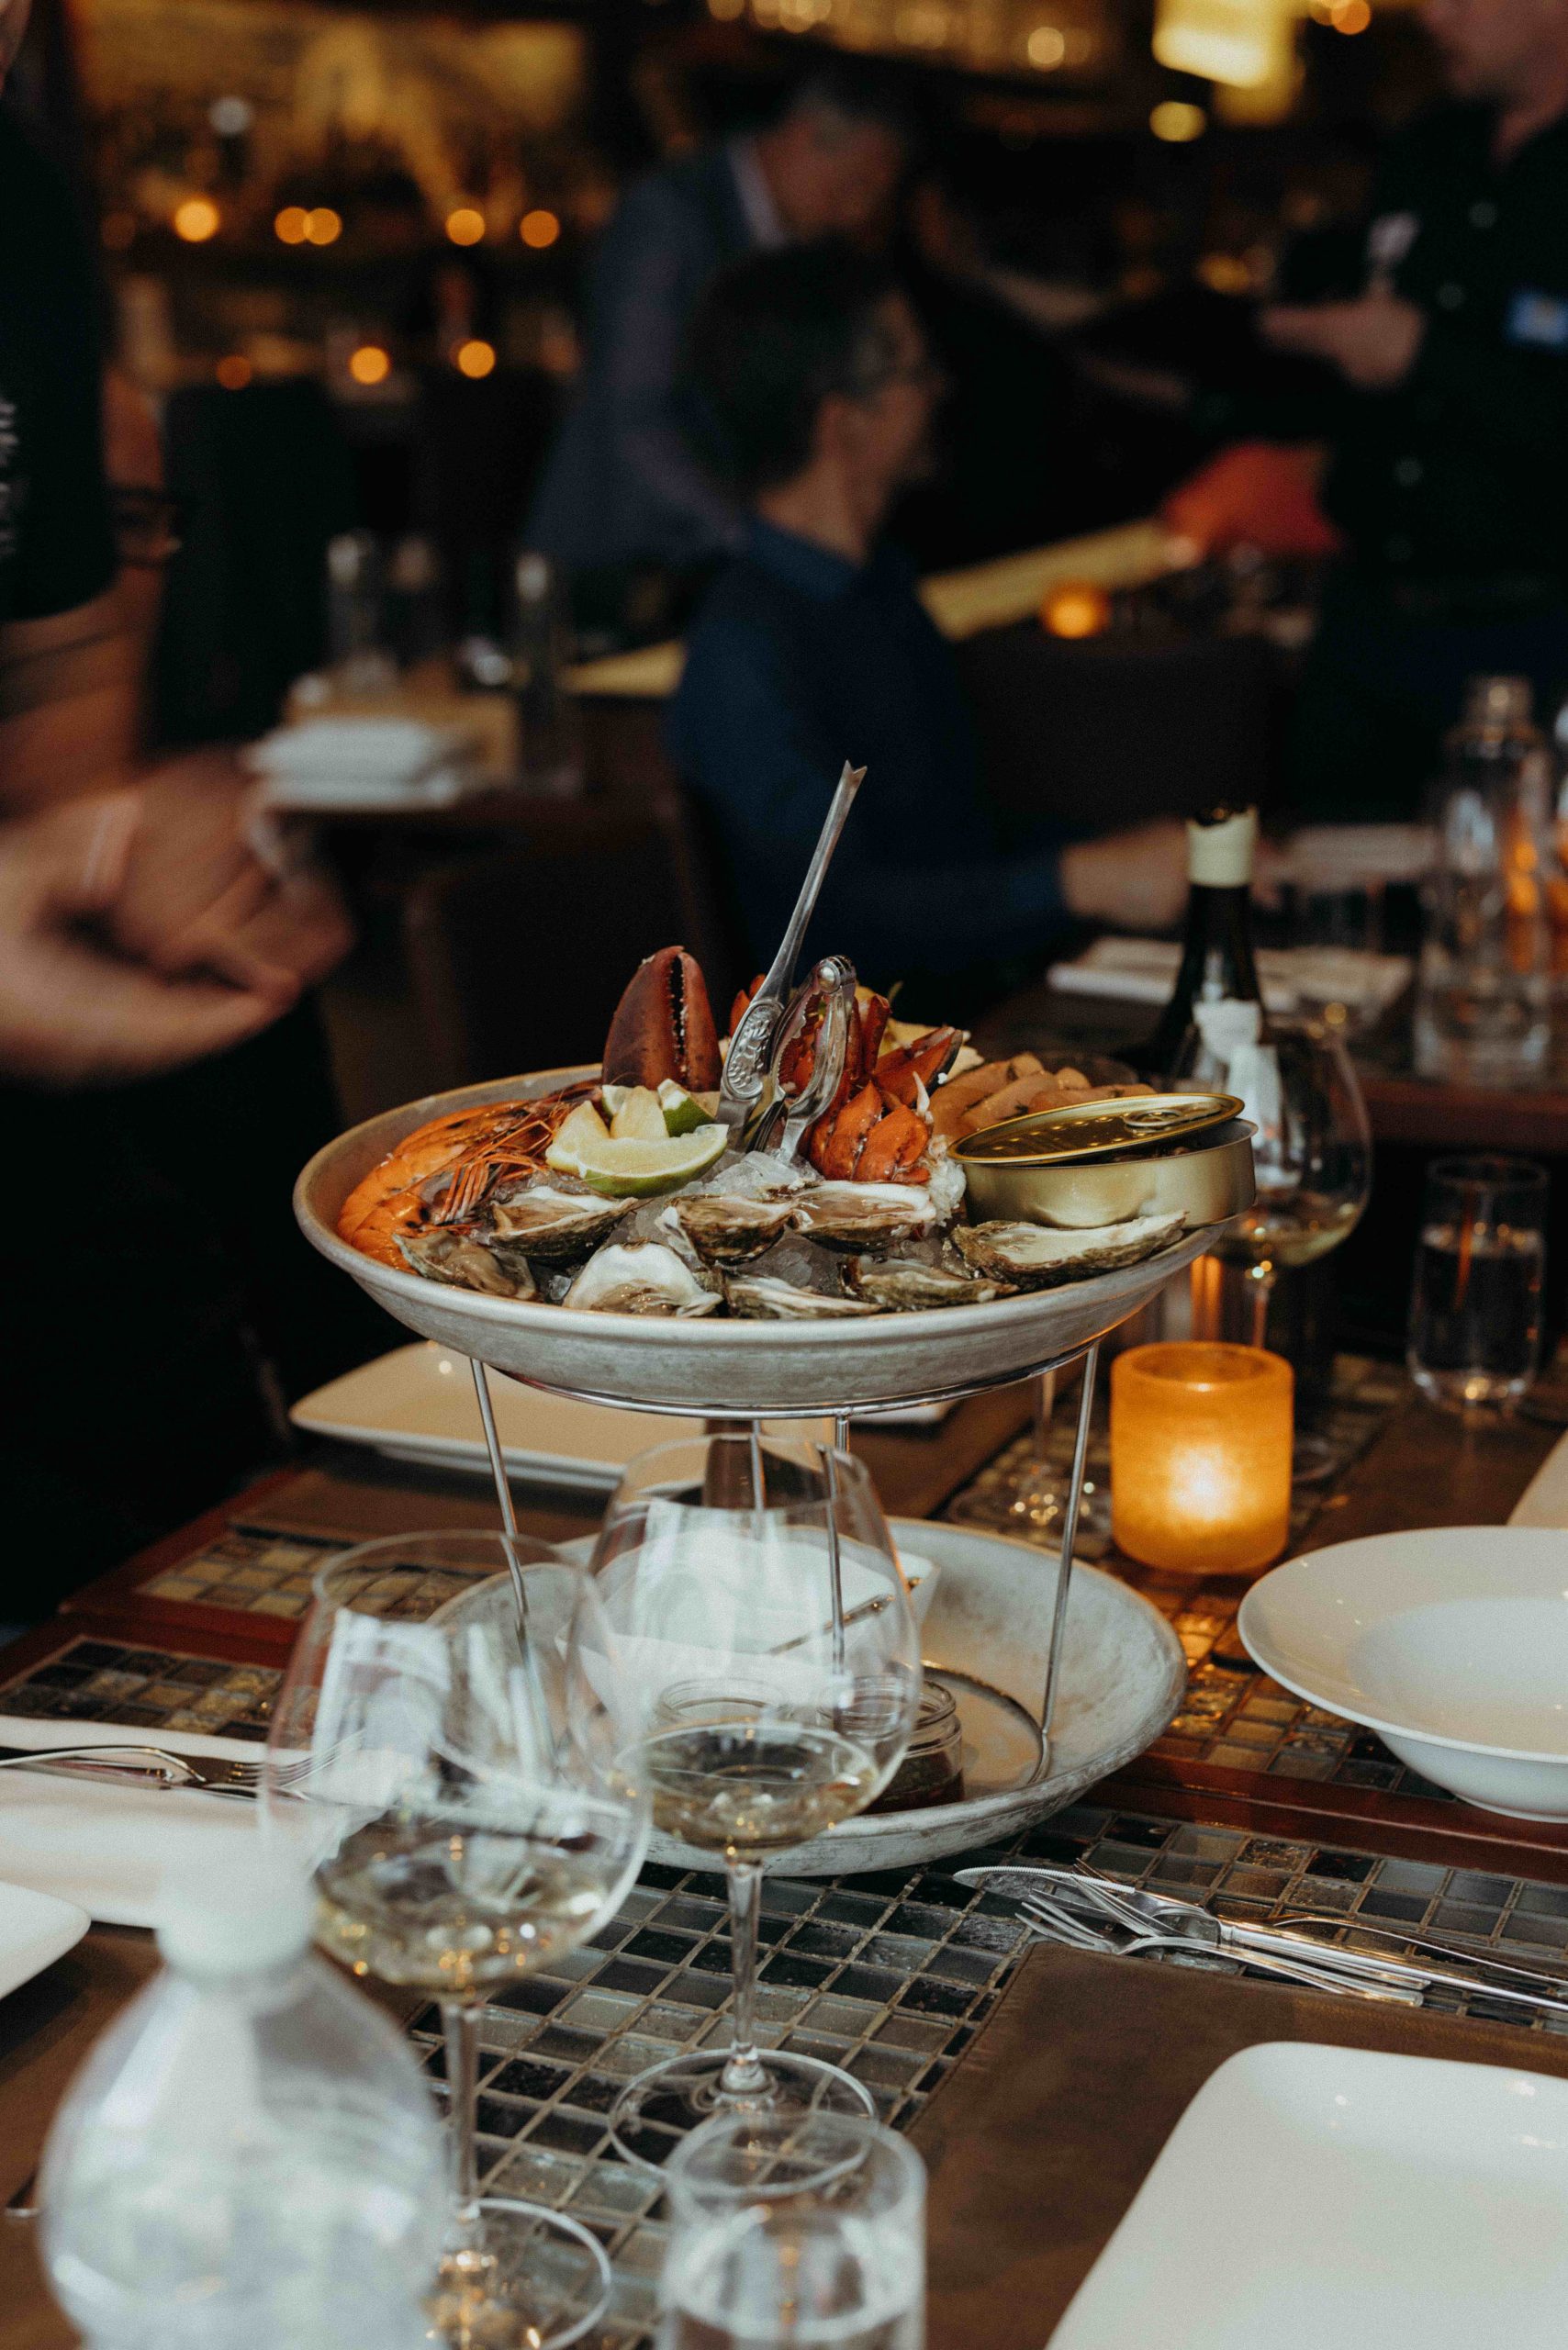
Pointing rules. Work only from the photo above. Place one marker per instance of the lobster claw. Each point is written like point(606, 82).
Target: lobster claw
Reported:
point(820, 1015)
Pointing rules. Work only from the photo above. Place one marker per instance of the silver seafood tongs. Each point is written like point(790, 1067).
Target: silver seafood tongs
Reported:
point(748, 1064)
point(780, 1120)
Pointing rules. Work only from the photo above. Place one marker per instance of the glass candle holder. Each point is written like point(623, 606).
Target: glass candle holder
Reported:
point(1201, 1457)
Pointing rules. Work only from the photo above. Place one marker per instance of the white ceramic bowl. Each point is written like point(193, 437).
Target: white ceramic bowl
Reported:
point(1451, 1642)
point(716, 1368)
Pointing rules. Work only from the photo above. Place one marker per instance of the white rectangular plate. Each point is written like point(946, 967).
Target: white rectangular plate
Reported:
point(418, 1403)
point(1313, 2195)
point(35, 1930)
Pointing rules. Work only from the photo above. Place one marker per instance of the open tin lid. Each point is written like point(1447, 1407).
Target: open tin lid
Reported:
point(1144, 1122)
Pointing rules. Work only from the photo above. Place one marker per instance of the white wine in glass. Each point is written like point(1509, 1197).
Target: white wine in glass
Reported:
point(461, 1833)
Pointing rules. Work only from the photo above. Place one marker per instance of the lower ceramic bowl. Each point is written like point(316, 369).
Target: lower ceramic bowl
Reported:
point(1451, 1642)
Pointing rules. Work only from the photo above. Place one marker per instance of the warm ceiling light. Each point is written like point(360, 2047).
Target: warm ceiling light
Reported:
point(539, 228)
point(370, 364)
point(196, 219)
point(1047, 47)
point(234, 371)
point(465, 226)
point(292, 225)
point(1176, 122)
point(1350, 16)
point(323, 226)
point(1077, 608)
point(475, 358)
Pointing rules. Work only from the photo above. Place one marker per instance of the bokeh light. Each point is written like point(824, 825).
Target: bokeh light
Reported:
point(1176, 121)
point(196, 219)
point(1047, 47)
point(466, 226)
point(323, 226)
point(475, 358)
point(292, 225)
point(1076, 607)
point(234, 371)
point(370, 364)
point(538, 228)
point(1350, 16)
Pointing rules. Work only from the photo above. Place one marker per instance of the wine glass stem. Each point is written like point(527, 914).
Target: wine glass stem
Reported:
point(1262, 1276)
point(460, 2021)
point(744, 2075)
point(1044, 1405)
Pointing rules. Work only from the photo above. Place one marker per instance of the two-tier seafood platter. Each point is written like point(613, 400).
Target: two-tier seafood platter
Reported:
point(661, 1233)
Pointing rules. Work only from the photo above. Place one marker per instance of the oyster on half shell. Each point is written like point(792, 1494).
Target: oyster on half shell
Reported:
point(641, 1279)
point(908, 1284)
point(1033, 1256)
point(864, 1217)
point(760, 1297)
point(727, 1229)
point(447, 1254)
point(556, 1226)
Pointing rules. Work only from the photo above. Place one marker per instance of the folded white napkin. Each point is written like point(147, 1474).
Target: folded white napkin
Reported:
point(1143, 971)
point(110, 1849)
point(1544, 1501)
point(357, 762)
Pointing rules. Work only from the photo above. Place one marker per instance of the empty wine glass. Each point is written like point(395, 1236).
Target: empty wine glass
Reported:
point(755, 1623)
point(1031, 1500)
point(463, 1832)
point(1312, 1157)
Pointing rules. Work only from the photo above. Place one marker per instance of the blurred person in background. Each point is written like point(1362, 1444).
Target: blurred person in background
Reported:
point(1449, 474)
point(147, 951)
point(622, 499)
point(813, 647)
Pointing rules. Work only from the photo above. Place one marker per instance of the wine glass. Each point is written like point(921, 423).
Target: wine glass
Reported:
point(1312, 1157)
point(1031, 1501)
point(463, 1832)
point(755, 1626)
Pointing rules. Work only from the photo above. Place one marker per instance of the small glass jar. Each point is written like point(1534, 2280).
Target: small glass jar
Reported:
point(932, 1771)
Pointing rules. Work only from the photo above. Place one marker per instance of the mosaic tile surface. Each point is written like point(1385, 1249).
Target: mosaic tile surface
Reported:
point(145, 1688)
point(255, 1569)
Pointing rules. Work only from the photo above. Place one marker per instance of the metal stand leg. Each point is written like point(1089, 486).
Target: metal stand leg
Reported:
point(1068, 1536)
point(503, 1489)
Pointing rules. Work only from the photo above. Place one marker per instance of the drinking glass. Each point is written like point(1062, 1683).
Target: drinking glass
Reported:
point(463, 1832)
point(1032, 1502)
point(1311, 1158)
point(755, 1626)
point(1476, 1301)
point(782, 2233)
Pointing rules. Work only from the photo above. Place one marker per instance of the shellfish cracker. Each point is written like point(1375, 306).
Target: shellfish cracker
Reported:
point(866, 1222)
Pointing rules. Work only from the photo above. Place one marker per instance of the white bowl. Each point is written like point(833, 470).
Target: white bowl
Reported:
point(714, 1368)
point(1451, 1642)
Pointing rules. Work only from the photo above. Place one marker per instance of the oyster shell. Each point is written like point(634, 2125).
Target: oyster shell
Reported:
point(728, 1230)
point(864, 1217)
point(556, 1225)
point(644, 1279)
point(447, 1254)
point(760, 1297)
point(1033, 1256)
point(908, 1284)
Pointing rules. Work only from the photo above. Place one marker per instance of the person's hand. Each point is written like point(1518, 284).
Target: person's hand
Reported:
point(1372, 342)
point(74, 1010)
point(1135, 881)
point(207, 887)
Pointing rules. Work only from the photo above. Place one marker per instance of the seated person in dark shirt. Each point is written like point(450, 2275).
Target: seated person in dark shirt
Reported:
point(809, 371)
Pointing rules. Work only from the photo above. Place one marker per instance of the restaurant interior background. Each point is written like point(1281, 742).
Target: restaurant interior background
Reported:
point(344, 255)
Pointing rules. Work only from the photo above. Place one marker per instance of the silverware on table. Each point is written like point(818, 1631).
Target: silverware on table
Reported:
point(1054, 1923)
point(1136, 1908)
point(153, 1767)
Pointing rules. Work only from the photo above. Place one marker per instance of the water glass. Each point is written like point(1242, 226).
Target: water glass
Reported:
point(787, 2232)
point(1474, 1334)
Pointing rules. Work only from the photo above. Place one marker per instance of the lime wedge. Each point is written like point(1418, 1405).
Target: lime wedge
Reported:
point(682, 1113)
point(615, 1098)
point(581, 1128)
point(627, 1169)
point(638, 1117)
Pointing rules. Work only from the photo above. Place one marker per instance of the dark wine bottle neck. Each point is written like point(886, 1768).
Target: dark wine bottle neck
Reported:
point(1217, 961)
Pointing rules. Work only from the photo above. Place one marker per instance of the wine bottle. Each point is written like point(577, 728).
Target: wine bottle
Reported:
point(1218, 966)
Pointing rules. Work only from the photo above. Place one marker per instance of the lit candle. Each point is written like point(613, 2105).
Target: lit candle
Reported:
point(1201, 1457)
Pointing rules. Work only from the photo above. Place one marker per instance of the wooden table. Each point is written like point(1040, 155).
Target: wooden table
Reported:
point(1423, 1470)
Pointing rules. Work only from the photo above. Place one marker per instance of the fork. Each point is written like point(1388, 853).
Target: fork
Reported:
point(156, 1766)
point(1057, 1925)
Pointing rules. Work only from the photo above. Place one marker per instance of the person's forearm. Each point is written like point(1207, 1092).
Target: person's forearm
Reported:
point(70, 704)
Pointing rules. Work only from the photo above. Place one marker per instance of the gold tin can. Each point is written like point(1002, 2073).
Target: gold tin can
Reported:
point(1103, 1163)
